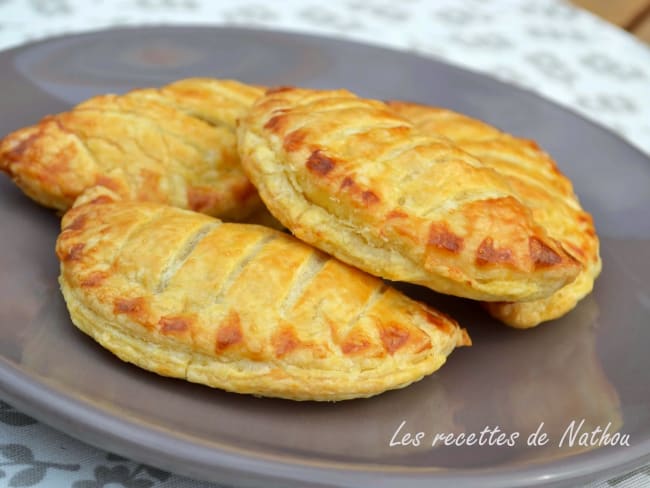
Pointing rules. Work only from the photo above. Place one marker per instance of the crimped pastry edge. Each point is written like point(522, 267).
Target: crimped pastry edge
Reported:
point(289, 383)
point(524, 315)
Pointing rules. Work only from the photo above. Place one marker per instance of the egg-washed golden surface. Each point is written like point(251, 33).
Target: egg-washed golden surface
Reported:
point(542, 187)
point(352, 178)
point(174, 145)
point(241, 307)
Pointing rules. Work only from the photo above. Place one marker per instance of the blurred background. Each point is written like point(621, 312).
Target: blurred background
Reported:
point(631, 15)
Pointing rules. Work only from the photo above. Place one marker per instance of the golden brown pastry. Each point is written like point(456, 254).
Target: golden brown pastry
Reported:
point(241, 307)
point(174, 145)
point(350, 177)
point(542, 187)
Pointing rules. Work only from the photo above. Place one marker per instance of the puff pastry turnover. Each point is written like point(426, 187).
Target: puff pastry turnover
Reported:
point(352, 178)
point(174, 145)
point(241, 307)
point(536, 178)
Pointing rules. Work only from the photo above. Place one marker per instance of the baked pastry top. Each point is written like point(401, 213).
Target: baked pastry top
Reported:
point(354, 179)
point(542, 187)
point(240, 307)
point(174, 145)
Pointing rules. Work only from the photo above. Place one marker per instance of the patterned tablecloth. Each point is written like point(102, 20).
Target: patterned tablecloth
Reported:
point(548, 46)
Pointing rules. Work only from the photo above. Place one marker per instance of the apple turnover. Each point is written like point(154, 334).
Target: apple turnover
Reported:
point(354, 179)
point(240, 307)
point(173, 145)
point(533, 174)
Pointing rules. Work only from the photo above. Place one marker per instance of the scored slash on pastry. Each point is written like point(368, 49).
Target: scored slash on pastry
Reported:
point(241, 307)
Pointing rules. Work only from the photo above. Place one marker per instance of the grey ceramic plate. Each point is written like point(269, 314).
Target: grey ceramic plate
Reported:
point(592, 365)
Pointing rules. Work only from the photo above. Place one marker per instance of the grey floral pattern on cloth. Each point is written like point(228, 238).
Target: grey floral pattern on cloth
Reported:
point(30, 471)
point(546, 46)
point(10, 416)
point(123, 473)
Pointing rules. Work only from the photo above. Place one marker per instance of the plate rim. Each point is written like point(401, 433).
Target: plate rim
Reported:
point(87, 421)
